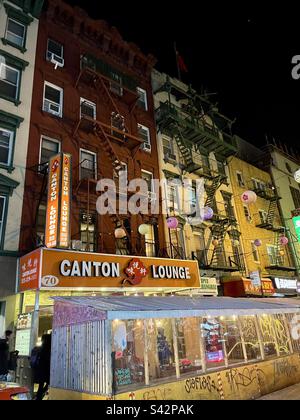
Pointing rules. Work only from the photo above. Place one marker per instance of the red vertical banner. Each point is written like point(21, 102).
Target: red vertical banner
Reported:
point(53, 202)
point(65, 204)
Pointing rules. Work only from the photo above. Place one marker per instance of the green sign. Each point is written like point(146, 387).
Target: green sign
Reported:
point(296, 221)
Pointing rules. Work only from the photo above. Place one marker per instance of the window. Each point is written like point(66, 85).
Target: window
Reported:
point(55, 53)
point(173, 198)
point(116, 86)
point(88, 165)
point(142, 101)
point(168, 148)
point(255, 252)
point(213, 343)
point(296, 197)
point(250, 335)
point(118, 122)
point(9, 82)
point(53, 99)
point(188, 335)
point(263, 215)
point(6, 146)
point(148, 177)
point(229, 210)
point(150, 243)
point(88, 232)
point(205, 164)
point(268, 333)
point(144, 135)
point(15, 32)
point(273, 254)
point(233, 341)
point(288, 167)
point(221, 167)
point(87, 109)
point(240, 179)
point(2, 217)
point(256, 184)
point(49, 148)
point(247, 213)
point(41, 224)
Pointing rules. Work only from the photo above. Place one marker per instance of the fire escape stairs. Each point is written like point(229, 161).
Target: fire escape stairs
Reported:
point(213, 188)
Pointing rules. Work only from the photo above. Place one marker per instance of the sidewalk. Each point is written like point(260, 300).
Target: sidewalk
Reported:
point(291, 393)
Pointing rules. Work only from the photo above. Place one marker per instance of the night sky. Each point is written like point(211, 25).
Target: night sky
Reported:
point(241, 52)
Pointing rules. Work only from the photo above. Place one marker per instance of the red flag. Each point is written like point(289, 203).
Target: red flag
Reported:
point(181, 64)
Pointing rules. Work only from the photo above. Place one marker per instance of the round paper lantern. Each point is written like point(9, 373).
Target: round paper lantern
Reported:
point(249, 197)
point(215, 243)
point(208, 213)
point(258, 242)
point(284, 241)
point(282, 253)
point(172, 223)
point(120, 233)
point(144, 229)
point(297, 176)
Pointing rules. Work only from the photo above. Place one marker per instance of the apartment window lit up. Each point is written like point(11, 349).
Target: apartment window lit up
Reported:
point(88, 232)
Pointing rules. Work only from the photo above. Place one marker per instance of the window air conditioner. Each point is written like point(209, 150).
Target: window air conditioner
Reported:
point(57, 60)
point(52, 108)
point(146, 147)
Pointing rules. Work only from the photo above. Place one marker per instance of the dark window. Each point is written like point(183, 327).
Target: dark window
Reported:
point(240, 179)
point(88, 232)
point(9, 81)
point(6, 143)
point(2, 215)
point(88, 164)
point(49, 148)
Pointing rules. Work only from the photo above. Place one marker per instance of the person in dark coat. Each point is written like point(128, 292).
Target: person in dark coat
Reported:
point(4, 355)
point(41, 369)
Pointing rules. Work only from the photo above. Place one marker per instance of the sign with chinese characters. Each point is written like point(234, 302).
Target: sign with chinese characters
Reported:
point(296, 221)
point(265, 288)
point(209, 286)
point(24, 321)
point(30, 271)
point(65, 204)
point(67, 269)
point(52, 215)
point(255, 278)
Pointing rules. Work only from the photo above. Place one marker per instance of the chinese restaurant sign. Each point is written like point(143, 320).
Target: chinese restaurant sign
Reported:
point(266, 287)
point(66, 269)
point(30, 271)
point(59, 202)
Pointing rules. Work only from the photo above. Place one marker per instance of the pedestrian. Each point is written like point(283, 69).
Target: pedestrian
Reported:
point(4, 356)
point(40, 361)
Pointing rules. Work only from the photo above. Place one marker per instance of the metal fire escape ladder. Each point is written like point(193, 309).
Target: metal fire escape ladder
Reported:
point(213, 188)
point(271, 212)
point(218, 232)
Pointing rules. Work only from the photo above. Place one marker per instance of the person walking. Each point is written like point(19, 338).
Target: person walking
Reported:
point(4, 356)
point(40, 363)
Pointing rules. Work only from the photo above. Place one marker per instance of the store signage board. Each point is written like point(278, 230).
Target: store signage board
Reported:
point(65, 203)
point(209, 286)
point(286, 284)
point(24, 321)
point(22, 344)
point(255, 278)
point(80, 270)
point(30, 266)
point(296, 222)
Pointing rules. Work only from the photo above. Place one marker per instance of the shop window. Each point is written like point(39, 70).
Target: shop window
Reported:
point(282, 334)
point(49, 148)
point(160, 349)
point(188, 335)
point(9, 82)
point(6, 147)
point(88, 232)
point(128, 351)
point(233, 340)
point(268, 334)
point(144, 135)
point(142, 101)
point(53, 99)
point(250, 335)
point(15, 33)
point(87, 109)
point(293, 321)
point(88, 165)
point(3, 205)
point(213, 343)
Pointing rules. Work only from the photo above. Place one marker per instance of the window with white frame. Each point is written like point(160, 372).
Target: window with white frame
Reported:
point(87, 109)
point(2, 216)
point(88, 164)
point(15, 32)
point(53, 99)
point(142, 101)
point(144, 135)
point(168, 148)
point(273, 254)
point(173, 198)
point(9, 81)
point(148, 177)
point(255, 252)
point(55, 52)
point(49, 148)
point(116, 85)
point(6, 146)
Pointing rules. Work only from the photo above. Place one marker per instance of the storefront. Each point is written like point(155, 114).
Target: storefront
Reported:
point(173, 348)
point(285, 286)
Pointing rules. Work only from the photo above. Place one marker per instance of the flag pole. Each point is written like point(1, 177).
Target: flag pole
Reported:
point(177, 62)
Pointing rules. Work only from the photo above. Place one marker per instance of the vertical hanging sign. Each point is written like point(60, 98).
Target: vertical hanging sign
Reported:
point(65, 204)
point(52, 215)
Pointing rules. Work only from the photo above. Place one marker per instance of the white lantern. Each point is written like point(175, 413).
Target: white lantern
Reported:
point(120, 233)
point(297, 176)
point(144, 229)
point(249, 197)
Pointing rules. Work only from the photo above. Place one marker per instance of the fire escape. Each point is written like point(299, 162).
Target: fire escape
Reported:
point(107, 82)
point(199, 129)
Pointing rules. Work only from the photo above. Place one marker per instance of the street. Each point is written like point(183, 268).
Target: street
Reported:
point(291, 393)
